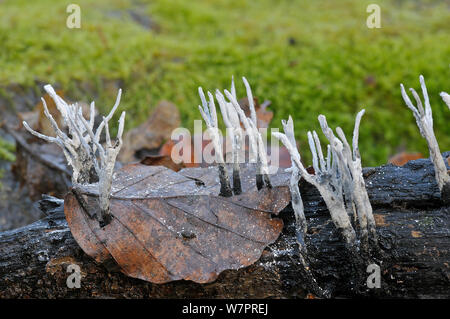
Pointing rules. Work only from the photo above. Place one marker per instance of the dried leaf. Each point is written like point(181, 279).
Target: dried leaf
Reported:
point(401, 159)
point(150, 135)
point(284, 158)
point(167, 148)
point(162, 160)
point(173, 225)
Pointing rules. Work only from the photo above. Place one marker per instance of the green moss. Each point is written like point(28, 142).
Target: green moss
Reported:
point(7, 151)
point(335, 66)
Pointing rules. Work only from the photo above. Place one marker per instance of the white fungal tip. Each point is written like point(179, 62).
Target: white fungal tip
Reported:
point(278, 135)
point(446, 97)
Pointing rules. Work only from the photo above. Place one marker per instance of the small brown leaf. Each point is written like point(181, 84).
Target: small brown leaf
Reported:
point(173, 225)
point(380, 220)
point(151, 134)
point(162, 160)
point(167, 148)
point(416, 234)
point(264, 117)
point(403, 158)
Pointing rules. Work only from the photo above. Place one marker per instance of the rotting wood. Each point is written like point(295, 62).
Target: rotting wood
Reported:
point(413, 229)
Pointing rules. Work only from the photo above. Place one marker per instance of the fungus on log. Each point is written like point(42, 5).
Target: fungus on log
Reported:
point(424, 120)
point(208, 112)
point(233, 116)
point(257, 149)
point(338, 177)
point(402, 212)
point(231, 121)
point(331, 176)
point(90, 161)
point(413, 227)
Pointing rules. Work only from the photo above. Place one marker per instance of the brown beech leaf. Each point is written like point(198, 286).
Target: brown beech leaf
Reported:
point(170, 225)
point(402, 158)
point(150, 135)
point(162, 160)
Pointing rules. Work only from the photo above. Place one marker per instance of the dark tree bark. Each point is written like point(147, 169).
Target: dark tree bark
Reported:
point(412, 225)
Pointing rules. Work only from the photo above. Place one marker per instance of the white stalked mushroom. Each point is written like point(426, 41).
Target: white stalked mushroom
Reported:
point(231, 120)
point(82, 149)
point(446, 97)
point(357, 199)
point(424, 119)
point(329, 187)
point(339, 180)
point(257, 149)
point(296, 198)
point(209, 115)
point(288, 138)
point(338, 177)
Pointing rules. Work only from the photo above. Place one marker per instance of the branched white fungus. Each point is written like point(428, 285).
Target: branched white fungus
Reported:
point(209, 115)
point(231, 120)
point(296, 199)
point(82, 149)
point(360, 203)
point(257, 149)
point(446, 97)
point(424, 119)
point(338, 177)
point(233, 116)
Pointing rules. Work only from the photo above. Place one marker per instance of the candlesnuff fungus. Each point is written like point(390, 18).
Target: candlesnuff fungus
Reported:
point(301, 226)
point(233, 116)
point(231, 120)
point(446, 97)
point(257, 149)
point(424, 120)
point(90, 161)
point(354, 188)
point(296, 198)
point(327, 181)
point(338, 177)
point(208, 112)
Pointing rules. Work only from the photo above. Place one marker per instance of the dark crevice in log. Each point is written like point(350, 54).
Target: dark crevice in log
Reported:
point(412, 226)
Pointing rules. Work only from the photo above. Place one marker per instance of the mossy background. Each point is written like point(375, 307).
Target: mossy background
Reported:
point(307, 57)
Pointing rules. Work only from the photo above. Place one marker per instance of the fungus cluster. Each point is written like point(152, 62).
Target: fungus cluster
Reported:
point(90, 161)
point(338, 177)
point(424, 120)
point(233, 116)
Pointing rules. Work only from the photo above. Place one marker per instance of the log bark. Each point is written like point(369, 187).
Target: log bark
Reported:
point(412, 225)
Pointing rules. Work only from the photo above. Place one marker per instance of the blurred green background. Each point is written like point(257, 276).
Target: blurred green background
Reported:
point(307, 57)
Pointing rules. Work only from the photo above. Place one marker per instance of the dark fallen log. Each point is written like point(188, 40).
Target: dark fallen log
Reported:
point(412, 225)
